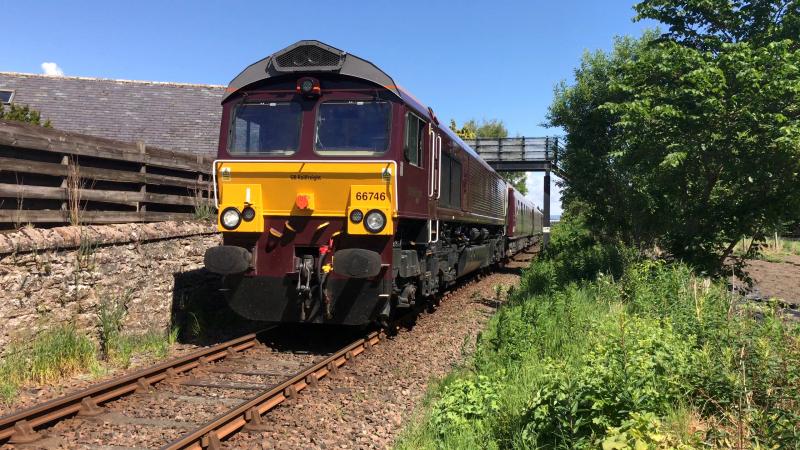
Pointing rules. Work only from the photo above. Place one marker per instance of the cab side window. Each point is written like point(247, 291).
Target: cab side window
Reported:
point(415, 130)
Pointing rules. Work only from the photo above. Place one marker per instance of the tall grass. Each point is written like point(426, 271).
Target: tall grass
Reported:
point(74, 188)
point(204, 209)
point(117, 347)
point(613, 352)
point(64, 351)
point(53, 354)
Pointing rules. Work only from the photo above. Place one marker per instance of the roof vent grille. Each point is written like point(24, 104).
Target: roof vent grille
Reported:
point(308, 58)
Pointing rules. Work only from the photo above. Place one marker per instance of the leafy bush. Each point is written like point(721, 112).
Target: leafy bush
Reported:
point(465, 403)
point(574, 255)
point(634, 365)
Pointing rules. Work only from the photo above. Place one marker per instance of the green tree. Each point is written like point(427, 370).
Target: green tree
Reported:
point(709, 24)
point(494, 128)
point(22, 114)
point(691, 139)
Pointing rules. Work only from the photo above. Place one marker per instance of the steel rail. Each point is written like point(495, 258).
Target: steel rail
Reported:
point(18, 426)
point(249, 412)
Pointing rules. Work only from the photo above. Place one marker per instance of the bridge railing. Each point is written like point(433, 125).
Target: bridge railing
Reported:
point(519, 153)
point(516, 148)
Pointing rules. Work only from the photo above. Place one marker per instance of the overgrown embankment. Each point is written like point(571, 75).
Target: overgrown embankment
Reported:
point(599, 349)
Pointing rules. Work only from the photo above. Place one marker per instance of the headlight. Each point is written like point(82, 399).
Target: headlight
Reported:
point(375, 221)
point(248, 214)
point(230, 218)
point(356, 215)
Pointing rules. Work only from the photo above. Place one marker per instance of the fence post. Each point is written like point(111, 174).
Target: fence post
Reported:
point(141, 207)
point(65, 163)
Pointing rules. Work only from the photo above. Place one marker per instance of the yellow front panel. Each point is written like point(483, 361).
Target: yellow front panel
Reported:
point(367, 198)
point(243, 195)
point(325, 187)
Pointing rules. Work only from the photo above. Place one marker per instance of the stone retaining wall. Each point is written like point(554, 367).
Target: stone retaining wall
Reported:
point(63, 274)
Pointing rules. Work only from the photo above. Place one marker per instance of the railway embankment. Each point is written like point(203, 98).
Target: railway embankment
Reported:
point(71, 292)
point(600, 348)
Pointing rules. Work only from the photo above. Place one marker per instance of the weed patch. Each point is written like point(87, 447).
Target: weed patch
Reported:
point(118, 348)
point(51, 355)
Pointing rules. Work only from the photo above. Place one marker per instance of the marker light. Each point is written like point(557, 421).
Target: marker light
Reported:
point(375, 221)
point(356, 215)
point(230, 218)
point(309, 87)
point(248, 214)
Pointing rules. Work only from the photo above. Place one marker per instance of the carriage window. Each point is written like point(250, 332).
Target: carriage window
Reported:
point(266, 128)
point(415, 129)
point(353, 127)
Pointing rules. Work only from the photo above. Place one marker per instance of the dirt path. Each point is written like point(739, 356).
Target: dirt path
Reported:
point(777, 279)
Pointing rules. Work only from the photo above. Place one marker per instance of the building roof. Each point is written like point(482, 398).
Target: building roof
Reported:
point(174, 116)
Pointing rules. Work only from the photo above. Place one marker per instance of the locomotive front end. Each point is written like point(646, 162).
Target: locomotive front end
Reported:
point(306, 241)
point(250, 192)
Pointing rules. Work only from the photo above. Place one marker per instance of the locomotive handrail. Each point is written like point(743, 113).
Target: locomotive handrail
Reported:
point(432, 151)
point(439, 168)
point(430, 232)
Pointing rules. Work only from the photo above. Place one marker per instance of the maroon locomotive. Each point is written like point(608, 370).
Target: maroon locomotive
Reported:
point(342, 198)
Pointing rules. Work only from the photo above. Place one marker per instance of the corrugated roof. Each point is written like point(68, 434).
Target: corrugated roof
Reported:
point(174, 116)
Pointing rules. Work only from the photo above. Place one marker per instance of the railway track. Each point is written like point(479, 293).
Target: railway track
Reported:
point(190, 402)
point(194, 401)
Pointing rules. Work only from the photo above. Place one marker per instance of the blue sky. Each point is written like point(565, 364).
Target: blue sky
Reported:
point(466, 59)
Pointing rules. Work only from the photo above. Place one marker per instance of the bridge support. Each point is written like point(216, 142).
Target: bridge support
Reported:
point(546, 212)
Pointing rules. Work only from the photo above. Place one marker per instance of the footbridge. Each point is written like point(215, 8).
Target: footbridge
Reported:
point(524, 154)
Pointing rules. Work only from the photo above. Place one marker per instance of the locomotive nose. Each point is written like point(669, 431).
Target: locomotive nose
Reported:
point(362, 192)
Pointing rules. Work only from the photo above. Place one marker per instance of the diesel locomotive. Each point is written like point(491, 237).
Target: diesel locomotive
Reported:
point(342, 199)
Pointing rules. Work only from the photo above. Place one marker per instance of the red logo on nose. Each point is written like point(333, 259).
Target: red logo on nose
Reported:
point(302, 201)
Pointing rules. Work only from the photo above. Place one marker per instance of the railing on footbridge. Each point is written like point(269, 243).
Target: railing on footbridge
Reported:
point(519, 154)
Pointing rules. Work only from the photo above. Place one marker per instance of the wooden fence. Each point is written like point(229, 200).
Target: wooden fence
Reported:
point(55, 177)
